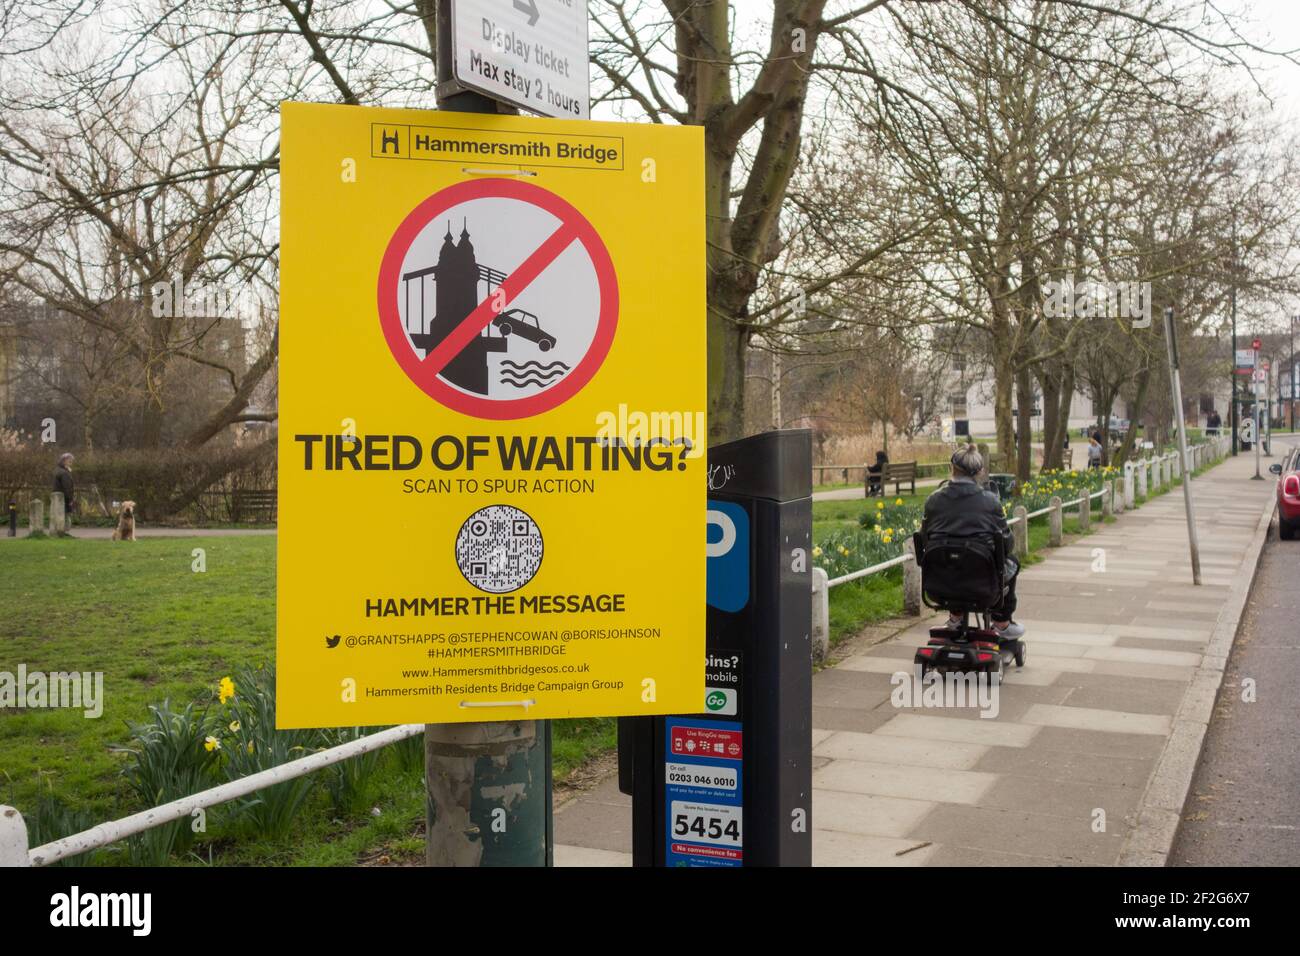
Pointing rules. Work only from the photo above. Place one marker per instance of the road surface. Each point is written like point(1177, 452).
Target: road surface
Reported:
point(1244, 804)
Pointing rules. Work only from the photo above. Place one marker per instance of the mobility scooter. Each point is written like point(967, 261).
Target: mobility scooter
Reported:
point(964, 575)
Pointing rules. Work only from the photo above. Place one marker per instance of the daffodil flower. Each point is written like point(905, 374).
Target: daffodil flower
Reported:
point(211, 743)
point(234, 726)
point(226, 689)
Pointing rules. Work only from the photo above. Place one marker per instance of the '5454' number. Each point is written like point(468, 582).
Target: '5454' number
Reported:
point(722, 827)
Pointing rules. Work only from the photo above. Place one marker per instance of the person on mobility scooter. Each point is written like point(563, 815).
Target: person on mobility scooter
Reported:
point(964, 552)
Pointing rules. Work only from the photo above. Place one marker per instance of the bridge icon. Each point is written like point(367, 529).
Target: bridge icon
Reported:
point(457, 278)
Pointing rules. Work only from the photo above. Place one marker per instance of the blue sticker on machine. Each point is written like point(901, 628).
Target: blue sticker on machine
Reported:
point(703, 792)
point(727, 567)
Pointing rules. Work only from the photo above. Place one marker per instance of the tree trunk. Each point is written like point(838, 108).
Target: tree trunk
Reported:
point(1135, 413)
point(1103, 422)
point(1002, 379)
point(728, 343)
point(1056, 410)
point(1024, 425)
point(1050, 386)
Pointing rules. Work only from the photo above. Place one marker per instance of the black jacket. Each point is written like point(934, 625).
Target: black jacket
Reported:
point(962, 508)
point(63, 483)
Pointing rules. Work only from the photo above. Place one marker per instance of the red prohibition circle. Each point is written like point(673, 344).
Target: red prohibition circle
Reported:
point(572, 223)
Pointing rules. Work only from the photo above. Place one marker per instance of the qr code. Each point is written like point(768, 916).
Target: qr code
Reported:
point(499, 549)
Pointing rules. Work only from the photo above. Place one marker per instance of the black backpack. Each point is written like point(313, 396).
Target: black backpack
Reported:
point(961, 573)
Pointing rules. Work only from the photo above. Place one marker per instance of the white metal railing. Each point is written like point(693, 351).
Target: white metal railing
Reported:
point(13, 832)
point(874, 569)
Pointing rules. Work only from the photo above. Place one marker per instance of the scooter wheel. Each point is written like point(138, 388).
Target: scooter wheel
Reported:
point(1021, 653)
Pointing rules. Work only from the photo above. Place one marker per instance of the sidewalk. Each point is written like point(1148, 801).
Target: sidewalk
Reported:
point(1089, 758)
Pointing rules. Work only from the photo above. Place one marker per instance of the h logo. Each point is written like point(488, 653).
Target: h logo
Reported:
point(385, 138)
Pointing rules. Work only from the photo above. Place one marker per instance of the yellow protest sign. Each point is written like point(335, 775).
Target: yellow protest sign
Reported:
point(491, 434)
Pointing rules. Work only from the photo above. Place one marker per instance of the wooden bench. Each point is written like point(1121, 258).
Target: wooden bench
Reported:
point(253, 505)
point(898, 473)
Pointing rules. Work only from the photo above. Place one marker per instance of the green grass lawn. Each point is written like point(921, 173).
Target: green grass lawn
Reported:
point(157, 629)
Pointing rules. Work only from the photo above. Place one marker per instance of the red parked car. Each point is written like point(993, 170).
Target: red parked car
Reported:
point(1288, 494)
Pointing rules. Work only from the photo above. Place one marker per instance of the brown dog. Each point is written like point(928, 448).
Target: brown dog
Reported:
point(125, 530)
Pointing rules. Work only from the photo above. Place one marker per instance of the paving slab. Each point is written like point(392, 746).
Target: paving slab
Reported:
point(896, 780)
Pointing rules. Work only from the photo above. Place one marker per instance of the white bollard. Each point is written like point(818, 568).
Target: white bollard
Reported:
point(1021, 530)
point(911, 579)
point(1129, 500)
point(1142, 478)
point(1054, 519)
point(1085, 513)
point(821, 614)
point(58, 514)
point(1107, 499)
point(13, 838)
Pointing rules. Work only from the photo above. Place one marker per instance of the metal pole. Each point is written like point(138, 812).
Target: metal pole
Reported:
point(1175, 383)
point(1233, 412)
point(1268, 409)
point(1254, 414)
point(488, 785)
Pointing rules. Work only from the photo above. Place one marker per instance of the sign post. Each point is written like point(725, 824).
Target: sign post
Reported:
point(482, 354)
point(464, 762)
point(1176, 385)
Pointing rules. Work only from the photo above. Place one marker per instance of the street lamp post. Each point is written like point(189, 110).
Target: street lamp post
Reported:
point(1291, 370)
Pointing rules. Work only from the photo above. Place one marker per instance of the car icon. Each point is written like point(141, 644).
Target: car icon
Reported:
point(525, 325)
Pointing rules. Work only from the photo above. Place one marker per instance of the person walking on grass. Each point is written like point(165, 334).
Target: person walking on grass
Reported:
point(63, 483)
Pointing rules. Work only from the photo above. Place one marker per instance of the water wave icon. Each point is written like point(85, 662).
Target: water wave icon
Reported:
point(532, 373)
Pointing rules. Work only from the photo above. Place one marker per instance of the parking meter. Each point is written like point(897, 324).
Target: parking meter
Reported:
point(732, 784)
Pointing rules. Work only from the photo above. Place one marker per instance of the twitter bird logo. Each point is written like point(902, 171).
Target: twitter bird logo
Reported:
point(332, 642)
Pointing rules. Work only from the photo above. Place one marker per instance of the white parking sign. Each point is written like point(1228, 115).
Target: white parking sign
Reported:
point(532, 53)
